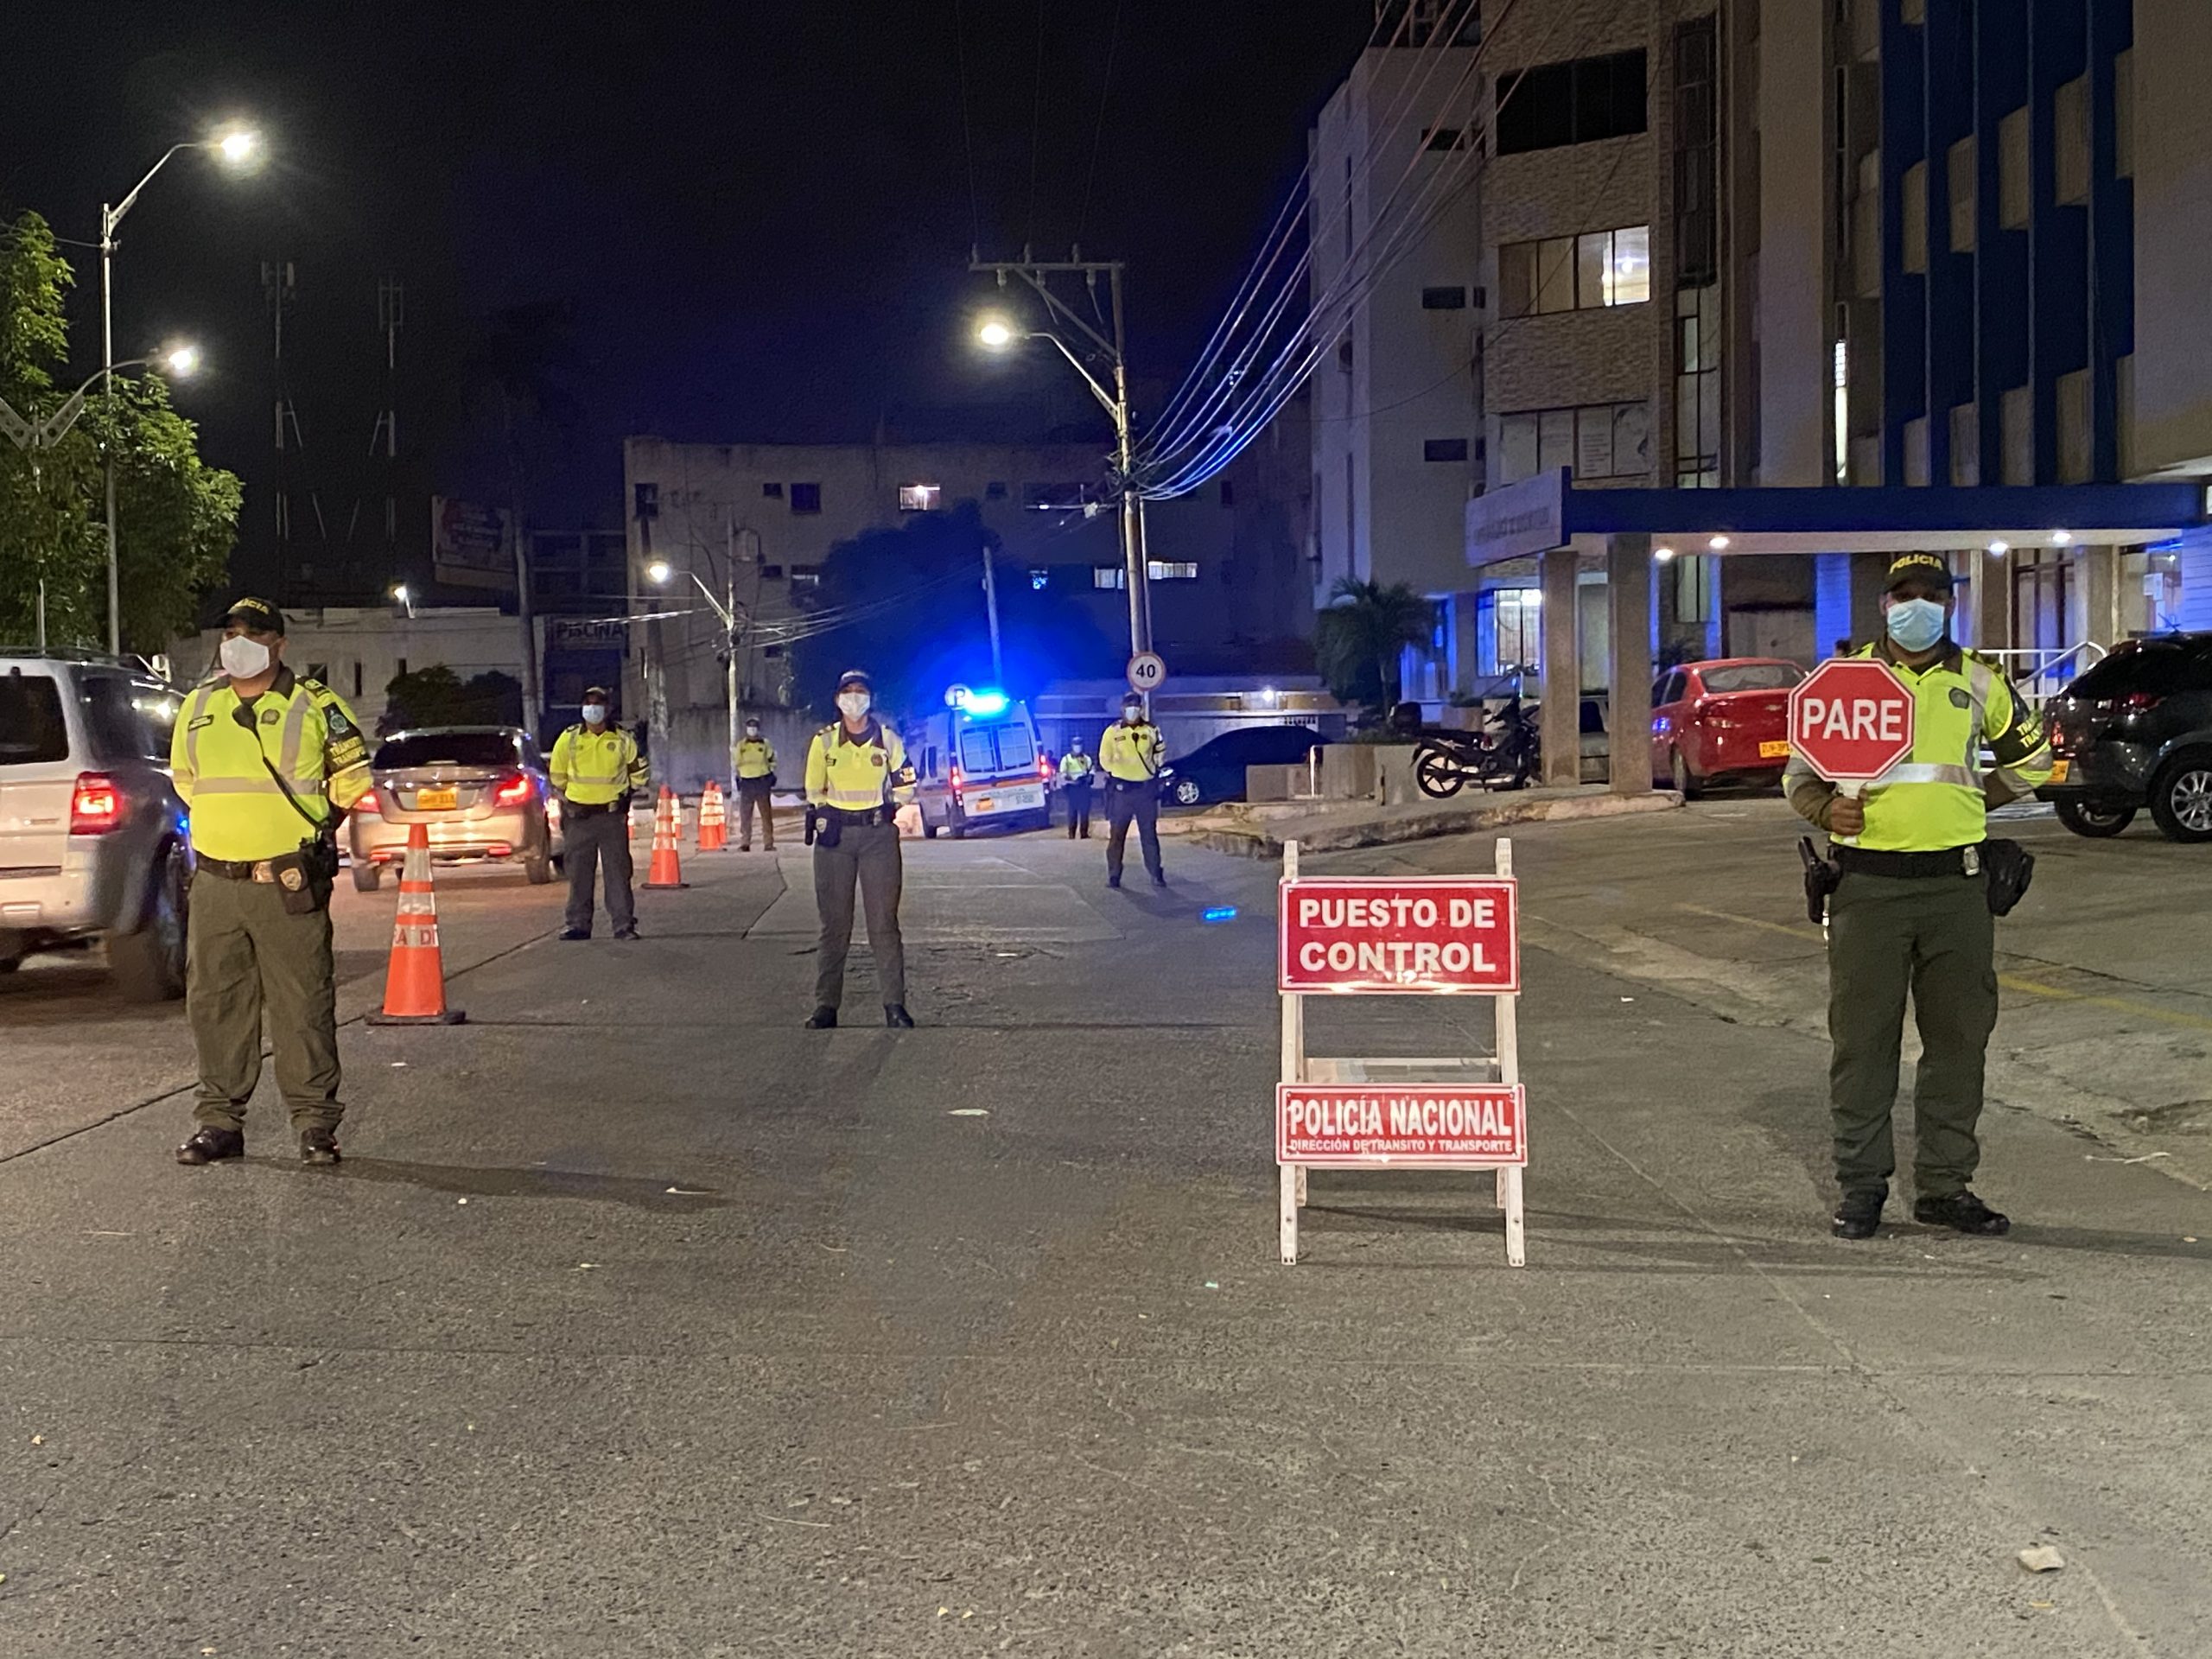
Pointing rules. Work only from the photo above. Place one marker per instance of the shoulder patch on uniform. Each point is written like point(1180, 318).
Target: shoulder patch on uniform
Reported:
point(333, 719)
point(271, 716)
point(200, 723)
point(1959, 698)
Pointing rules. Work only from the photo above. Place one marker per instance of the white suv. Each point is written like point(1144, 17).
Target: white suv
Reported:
point(93, 844)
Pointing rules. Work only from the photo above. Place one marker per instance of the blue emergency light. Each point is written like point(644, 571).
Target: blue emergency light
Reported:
point(985, 703)
point(1218, 913)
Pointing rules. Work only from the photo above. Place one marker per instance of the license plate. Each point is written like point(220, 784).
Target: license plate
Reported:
point(2058, 772)
point(436, 800)
point(985, 803)
point(1775, 749)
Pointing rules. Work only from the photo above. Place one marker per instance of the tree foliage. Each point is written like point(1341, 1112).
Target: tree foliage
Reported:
point(177, 516)
point(907, 605)
point(438, 696)
point(1359, 637)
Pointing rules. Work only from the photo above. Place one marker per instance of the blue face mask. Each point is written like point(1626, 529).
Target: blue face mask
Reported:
point(1915, 624)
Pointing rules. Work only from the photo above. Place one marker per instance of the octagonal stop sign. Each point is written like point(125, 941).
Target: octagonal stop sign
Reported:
point(1851, 719)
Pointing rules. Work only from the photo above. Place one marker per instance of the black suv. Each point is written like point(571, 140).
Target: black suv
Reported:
point(2136, 731)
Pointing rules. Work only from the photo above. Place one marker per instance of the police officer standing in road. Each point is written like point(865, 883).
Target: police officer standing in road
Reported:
point(1913, 909)
point(268, 762)
point(1131, 751)
point(754, 761)
point(856, 780)
point(1078, 771)
point(595, 769)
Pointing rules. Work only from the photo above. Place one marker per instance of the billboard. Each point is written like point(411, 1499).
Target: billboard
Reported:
point(471, 546)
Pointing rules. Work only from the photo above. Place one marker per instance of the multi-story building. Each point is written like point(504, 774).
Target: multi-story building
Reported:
point(1227, 584)
point(1800, 243)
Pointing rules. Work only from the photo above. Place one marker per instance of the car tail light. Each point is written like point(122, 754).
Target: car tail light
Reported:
point(957, 776)
point(96, 805)
point(2138, 703)
point(368, 806)
point(513, 789)
point(1044, 770)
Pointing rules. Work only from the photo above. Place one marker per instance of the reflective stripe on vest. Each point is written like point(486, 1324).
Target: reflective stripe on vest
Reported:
point(855, 777)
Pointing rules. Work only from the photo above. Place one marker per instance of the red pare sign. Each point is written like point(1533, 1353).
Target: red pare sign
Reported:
point(1427, 935)
point(1851, 719)
point(1350, 1127)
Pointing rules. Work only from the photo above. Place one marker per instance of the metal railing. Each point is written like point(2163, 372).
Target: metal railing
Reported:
point(2040, 672)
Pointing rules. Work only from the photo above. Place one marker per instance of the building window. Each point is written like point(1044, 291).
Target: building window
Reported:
point(2012, 171)
point(1966, 444)
point(806, 575)
point(1108, 575)
point(1508, 629)
point(771, 573)
point(645, 498)
point(806, 497)
point(1912, 13)
point(1915, 217)
point(1575, 273)
point(2070, 139)
point(1444, 449)
point(1444, 138)
point(1444, 299)
point(920, 498)
point(2017, 434)
point(1573, 103)
point(1961, 162)
point(1697, 152)
point(2123, 114)
point(1695, 584)
point(1170, 570)
point(1596, 441)
point(995, 490)
point(773, 492)
point(1916, 451)
point(2074, 450)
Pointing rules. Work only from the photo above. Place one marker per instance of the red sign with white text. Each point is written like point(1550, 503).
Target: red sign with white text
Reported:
point(1434, 934)
point(1851, 719)
point(1347, 1126)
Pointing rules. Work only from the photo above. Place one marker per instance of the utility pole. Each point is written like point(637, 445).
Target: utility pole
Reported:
point(991, 605)
point(1036, 273)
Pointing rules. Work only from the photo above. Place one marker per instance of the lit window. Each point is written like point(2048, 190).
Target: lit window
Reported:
point(806, 575)
point(1164, 570)
point(1508, 629)
point(920, 498)
point(1596, 441)
point(1108, 575)
point(1575, 273)
point(1056, 497)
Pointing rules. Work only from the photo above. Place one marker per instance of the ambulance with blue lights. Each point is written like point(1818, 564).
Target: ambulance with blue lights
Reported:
point(979, 763)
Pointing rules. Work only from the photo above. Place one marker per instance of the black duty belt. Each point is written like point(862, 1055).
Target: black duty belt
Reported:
point(873, 815)
point(1950, 861)
point(591, 809)
point(234, 870)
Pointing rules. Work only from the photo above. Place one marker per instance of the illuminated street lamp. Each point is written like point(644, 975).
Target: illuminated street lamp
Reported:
point(239, 147)
point(659, 572)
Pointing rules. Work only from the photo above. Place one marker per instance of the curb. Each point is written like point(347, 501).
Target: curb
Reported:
point(1266, 841)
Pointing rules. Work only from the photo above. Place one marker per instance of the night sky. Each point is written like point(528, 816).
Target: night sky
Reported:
point(758, 214)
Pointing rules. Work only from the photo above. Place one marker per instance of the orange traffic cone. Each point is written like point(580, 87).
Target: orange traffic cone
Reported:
point(667, 870)
point(713, 819)
point(415, 986)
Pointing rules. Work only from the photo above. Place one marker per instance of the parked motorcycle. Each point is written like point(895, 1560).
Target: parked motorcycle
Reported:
point(1502, 754)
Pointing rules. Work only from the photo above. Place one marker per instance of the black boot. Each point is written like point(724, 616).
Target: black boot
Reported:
point(896, 1017)
point(210, 1146)
point(318, 1147)
point(1860, 1213)
point(823, 1019)
point(1963, 1212)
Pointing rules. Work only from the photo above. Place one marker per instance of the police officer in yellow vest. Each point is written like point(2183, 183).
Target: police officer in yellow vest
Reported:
point(1911, 911)
point(1131, 753)
point(857, 779)
point(1078, 773)
point(267, 762)
point(595, 768)
point(753, 763)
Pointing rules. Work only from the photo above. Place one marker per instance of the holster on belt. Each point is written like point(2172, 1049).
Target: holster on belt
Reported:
point(1822, 878)
point(2011, 867)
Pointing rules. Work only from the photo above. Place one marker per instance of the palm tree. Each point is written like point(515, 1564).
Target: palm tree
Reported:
point(1359, 640)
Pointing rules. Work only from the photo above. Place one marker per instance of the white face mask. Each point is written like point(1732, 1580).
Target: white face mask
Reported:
point(243, 658)
point(595, 714)
point(853, 705)
point(1132, 714)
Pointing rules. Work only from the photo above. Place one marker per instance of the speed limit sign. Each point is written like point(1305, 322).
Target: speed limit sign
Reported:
point(1147, 672)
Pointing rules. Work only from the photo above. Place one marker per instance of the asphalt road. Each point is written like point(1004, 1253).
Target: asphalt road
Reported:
point(640, 1321)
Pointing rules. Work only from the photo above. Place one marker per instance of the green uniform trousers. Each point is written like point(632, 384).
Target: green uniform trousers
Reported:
point(867, 855)
point(1934, 936)
point(246, 953)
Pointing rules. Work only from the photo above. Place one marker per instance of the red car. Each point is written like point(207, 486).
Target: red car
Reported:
point(1728, 718)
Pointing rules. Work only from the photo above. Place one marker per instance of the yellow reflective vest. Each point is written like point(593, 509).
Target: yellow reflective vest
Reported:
point(300, 726)
point(1939, 797)
point(858, 774)
point(753, 757)
point(1132, 754)
point(597, 768)
point(1076, 768)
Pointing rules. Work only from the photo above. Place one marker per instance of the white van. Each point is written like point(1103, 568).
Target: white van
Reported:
point(978, 763)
